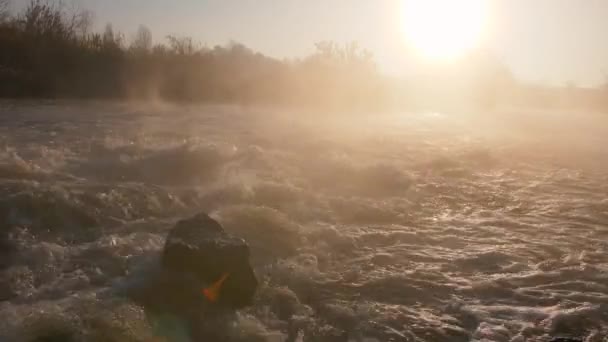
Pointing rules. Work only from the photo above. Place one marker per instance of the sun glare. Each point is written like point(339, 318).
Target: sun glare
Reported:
point(443, 29)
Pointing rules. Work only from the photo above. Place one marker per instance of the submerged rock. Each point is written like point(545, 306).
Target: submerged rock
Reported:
point(199, 254)
point(566, 339)
point(200, 246)
point(7, 250)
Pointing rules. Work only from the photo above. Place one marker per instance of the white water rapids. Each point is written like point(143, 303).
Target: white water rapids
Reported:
point(363, 227)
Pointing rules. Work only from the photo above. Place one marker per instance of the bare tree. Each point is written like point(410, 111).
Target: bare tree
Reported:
point(45, 19)
point(111, 39)
point(53, 19)
point(108, 35)
point(82, 21)
point(181, 45)
point(143, 39)
point(4, 10)
point(78, 20)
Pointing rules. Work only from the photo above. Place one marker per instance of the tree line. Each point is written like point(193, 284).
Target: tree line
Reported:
point(47, 51)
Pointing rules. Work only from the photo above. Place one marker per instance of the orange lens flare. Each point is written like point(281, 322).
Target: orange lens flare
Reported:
point(212, 293)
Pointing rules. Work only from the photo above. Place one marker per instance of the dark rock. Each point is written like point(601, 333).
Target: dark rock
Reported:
point(6, 292)
point(197, 253)
point(50, 216)
point(162, 291)
point(282, 301)
point(200, 249)
point(566, 339)
point(7, 250)
point(58, 336)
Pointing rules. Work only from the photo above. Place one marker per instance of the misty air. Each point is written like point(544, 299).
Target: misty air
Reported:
point(302, 171)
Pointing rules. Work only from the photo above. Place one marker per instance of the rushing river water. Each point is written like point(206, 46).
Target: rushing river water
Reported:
point(393, 227)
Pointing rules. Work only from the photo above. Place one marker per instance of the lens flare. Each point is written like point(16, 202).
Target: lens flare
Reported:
point(212, 293)
point(443, 29)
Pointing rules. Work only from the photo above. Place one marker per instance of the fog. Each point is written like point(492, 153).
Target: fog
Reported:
point(455, 203)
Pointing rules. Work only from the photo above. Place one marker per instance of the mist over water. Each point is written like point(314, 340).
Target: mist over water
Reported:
point(363, 227)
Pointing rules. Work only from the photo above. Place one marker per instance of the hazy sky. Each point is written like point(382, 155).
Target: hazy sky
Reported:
point(551, 41)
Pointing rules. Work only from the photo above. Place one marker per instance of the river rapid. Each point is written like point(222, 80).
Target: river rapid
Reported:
point(362, 226)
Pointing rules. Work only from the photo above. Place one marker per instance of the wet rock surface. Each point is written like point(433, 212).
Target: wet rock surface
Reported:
point(199, 246)
point(197, 254)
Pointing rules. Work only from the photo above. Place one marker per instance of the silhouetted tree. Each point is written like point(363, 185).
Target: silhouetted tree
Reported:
point(108, 38)
point(181, 45)
point(48, 51)
point(4, 10)
point(81, 23)
point(142, 40)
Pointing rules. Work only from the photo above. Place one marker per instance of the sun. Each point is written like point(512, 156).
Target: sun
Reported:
point(443, 29)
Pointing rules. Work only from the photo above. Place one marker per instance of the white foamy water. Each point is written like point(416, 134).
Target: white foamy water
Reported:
point(363, 227)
